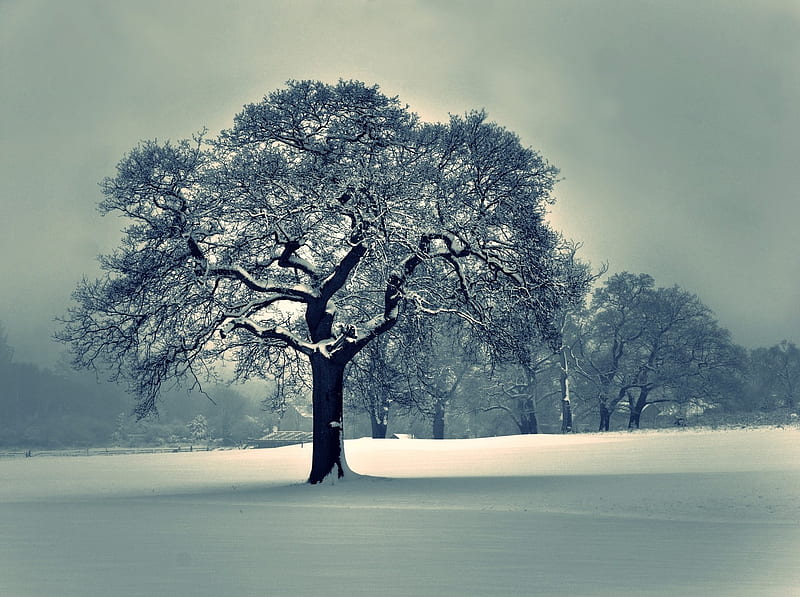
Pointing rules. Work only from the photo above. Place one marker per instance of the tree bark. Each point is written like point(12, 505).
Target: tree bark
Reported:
point(566, 407)
point(605, 417)
point(566, 416)
point(637, 408)
point(327, 400)
point(438, 420)
point(528, 423)
point(378, 427)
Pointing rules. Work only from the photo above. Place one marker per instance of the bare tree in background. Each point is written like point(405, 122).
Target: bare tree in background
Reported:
point(609, 334)
point(642, 345)
point(440, 362)
point(527, 366)
point(519, 387)
point(374, 383)
point(681, 350)
point(776, 372)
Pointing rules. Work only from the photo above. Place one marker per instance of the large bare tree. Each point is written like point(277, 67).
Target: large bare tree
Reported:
point(305, 231)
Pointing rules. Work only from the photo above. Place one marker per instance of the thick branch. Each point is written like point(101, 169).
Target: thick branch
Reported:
point(507, 410)
point(338, 278)
point(277, 333)
point(289, 259)
point(300, 293)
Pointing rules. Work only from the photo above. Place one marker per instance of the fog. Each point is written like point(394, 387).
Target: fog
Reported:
point(675, 125)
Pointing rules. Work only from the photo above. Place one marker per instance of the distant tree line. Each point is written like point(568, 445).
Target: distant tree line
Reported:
point(40, 408)
point(635, 355)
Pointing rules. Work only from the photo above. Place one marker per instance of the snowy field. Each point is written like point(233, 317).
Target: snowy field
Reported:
point(675, 513)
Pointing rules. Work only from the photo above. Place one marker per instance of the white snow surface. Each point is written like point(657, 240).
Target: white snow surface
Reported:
point(670, 513)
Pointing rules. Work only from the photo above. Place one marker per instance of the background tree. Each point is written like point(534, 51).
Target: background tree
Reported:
point(644, 345)
point(612, 326)
point(198, 428)
point(681, 351)
point(715, 382)
point(375, 383)
point(6, 352)
point(519, 388)
point(775, 375)
point(437, 364)
point(527, 366)
point(307, 228)
point(521, 370)
point(581, 276)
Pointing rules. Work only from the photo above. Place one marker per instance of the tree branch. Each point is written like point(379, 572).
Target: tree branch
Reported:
point(338, 278)
point(298, 293)
point(277, 333)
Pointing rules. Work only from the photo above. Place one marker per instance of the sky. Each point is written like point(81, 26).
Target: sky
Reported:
point(676, 125)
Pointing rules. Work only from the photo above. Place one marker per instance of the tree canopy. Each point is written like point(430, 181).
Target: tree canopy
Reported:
point(644, 344)
point(308, 229)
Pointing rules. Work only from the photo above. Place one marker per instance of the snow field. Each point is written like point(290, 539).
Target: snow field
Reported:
point(684, 513)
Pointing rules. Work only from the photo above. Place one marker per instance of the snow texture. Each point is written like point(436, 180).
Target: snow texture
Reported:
point(682, 513)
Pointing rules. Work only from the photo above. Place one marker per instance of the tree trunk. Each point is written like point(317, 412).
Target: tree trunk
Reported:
point(438, 420)
point(566, 416)
point(378, 426)
point(328, 448)
point(605, 417)
point(637, 408)
point(529, 424)
point(566, 407)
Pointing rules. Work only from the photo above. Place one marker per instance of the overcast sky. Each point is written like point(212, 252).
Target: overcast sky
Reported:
point(676, 124)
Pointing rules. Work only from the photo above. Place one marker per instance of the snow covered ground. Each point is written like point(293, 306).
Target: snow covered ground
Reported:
point(676, 513)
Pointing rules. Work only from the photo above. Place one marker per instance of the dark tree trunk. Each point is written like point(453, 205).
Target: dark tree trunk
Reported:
point(438, 420)
point(528, 424)
point(566, 416)
point(378, 427)
point(637, 408)
point(327, 401)
point(605, 417)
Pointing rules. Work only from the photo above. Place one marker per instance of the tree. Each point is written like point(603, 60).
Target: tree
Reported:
point(646, 345)
point(374, 382)
point(198, 428)
point(527, 366)
point(306, 231)
point(612, 328)
point(438, 365)
point(6, 352)
point(682, 350)
point(581, 276)
point(519, 387)
point(775, 372)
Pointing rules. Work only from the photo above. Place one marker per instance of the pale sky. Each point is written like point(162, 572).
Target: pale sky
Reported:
point(676, 124)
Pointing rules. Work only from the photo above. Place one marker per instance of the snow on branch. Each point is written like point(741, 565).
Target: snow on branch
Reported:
point(300, 292)
point(267, 333)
